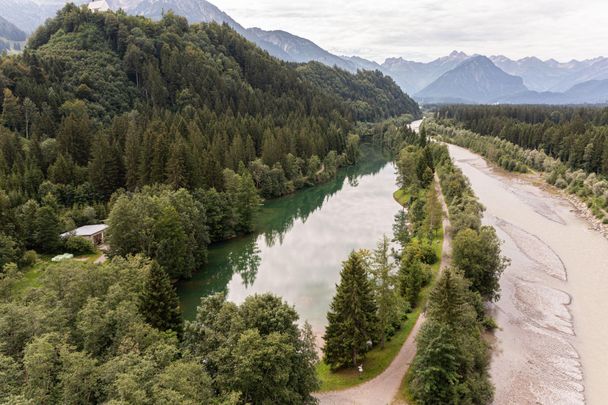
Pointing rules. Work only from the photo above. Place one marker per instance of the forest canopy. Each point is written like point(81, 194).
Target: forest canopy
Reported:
point(103, 104)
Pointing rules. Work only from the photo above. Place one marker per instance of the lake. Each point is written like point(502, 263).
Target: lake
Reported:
point(300, 242)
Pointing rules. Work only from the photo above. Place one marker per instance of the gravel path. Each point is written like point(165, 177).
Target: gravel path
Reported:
point(383, 389)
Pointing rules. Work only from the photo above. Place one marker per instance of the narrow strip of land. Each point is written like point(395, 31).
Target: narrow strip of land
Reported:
point(382, 389)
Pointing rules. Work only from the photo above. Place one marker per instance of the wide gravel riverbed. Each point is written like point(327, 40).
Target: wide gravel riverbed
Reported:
point(552, 343)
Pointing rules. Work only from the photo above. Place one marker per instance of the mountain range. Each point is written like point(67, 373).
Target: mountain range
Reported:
point(476, 79)
point(457, 77)
point(11, 37)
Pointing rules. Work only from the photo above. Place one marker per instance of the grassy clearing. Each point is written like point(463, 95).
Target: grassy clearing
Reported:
point(377, 360)
point(402, 197)
point(31, 278)
point(31, 275)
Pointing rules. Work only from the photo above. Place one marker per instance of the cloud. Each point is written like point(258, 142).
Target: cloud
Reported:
point(560, 29)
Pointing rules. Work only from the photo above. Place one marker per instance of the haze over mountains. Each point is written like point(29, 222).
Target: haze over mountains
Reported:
point(11, 37)
point(457, 77)
point(476, 79)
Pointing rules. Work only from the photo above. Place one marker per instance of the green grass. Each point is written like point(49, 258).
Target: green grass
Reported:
point(31, 275)
point(402, 197)
point(377, 360)
point(90, 258)
point(31, 278)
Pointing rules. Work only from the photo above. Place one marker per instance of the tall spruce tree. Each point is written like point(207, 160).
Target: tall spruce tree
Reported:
point(352, 320)
point(159, 303)
point(451, 364)
point(411, 279)
point(390, 303)
point(11, 113)
point(47, 230)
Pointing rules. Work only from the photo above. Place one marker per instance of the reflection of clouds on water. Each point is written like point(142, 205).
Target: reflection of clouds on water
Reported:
point(278, 216)
point(301, 241)
point(304, 267)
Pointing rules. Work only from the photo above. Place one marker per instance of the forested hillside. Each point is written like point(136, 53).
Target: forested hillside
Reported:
point(172, 134)
point(101, 102)
point(369, 94)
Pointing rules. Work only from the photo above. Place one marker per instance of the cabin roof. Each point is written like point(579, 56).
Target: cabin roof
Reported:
point(87, 230)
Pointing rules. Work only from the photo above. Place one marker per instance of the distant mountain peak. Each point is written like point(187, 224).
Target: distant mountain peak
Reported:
point(475, 80)
point(457, 54)
point(479, 59)
point(530, 59)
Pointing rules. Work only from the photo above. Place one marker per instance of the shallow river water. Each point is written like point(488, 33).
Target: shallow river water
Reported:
point(552, 341)
point(301, 241)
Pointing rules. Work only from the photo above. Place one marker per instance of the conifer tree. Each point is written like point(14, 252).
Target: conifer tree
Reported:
point(177, 166)
point(390, 304)
point(450, 301)
point(11, 113)
point(47, 230)
point(435, 368)
point(29, 111)
point(74, 136)
point(159, 303)
point(105, 167)
point(248, 202)
point(352, 320)
point(412, 279)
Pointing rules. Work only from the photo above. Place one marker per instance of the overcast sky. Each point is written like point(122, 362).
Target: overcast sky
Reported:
point(425, 29)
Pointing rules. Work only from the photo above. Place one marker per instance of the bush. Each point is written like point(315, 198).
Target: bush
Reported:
point(489, 323)
point(428, 254)
point(79, 246)
point(29, 258)
point(561, 183)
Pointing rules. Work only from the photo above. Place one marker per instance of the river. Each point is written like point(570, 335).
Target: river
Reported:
point(552, 343)
point(300, 242)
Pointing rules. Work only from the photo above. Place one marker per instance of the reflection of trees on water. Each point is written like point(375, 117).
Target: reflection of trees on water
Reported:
point(277, 217)
point(246, 262)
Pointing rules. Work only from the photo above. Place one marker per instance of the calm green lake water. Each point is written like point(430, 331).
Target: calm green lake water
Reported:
point(300, 242)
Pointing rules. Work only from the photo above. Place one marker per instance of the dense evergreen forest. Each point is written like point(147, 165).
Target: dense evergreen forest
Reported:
point(577, 136)
point(369, 94)
point(103, 105)
point(568, 145)
point(172, 134)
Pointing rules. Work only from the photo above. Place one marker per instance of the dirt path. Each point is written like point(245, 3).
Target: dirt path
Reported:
point(383, 389)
